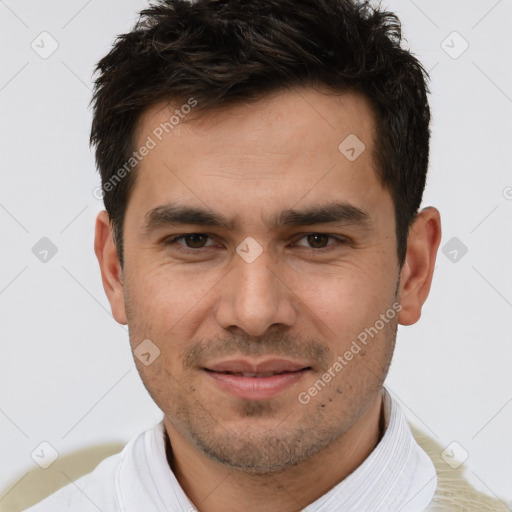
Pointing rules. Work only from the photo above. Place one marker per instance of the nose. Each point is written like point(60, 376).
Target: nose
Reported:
point(255, 296)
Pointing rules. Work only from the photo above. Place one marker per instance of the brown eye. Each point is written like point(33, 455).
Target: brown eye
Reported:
point(195, 240)
point(321, 241)
point(190, 241)
point(318, 240)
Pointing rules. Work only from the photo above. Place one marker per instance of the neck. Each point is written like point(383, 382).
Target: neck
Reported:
point(213, 487)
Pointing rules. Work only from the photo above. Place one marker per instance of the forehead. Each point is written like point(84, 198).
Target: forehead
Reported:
point(298, 117)
point(284, 147)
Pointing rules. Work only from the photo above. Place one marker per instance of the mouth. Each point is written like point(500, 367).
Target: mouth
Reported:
point(256, 381)
point(257, 375)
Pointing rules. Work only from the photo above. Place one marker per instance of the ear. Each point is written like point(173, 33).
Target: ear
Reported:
point(418, 269)
point(111, 273)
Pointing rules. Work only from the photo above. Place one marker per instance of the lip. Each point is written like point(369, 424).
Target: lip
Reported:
point(285, 374)
point(265, 366)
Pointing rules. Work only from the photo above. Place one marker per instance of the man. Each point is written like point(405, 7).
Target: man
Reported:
point(263, 165)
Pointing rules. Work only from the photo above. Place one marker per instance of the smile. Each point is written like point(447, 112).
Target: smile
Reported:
point(256, 385)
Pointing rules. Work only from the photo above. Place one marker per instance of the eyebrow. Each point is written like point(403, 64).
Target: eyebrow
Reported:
point(340, 213)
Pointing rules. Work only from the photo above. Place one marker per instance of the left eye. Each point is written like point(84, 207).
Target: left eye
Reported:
point(319, 240)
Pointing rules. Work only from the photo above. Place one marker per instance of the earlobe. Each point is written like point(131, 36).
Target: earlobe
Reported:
point(418, 269)
point(111, 273)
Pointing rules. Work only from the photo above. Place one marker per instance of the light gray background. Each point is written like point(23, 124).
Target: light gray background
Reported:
point(67, 373)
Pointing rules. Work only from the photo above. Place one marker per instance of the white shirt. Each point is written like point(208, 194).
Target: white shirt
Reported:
point(398, 476)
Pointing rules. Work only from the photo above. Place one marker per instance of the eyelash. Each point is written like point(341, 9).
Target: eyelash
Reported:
point(188, 250)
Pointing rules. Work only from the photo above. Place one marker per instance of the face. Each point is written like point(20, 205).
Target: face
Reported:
point(257, 256)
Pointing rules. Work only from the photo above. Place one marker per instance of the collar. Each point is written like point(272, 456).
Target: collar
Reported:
point(398, 475)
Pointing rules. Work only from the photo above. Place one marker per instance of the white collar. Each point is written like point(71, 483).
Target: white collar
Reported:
point(397, 476)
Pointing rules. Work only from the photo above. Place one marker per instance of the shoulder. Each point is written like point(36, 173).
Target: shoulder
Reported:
point(454, 492)
point(91, 492)
point(97, 490)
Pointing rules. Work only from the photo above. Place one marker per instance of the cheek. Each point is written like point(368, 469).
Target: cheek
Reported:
point(158, 313)
point(167, 306)
point(345, 298)
point(168, 298)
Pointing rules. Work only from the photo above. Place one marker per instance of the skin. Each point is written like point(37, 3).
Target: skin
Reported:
point(295, 301)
